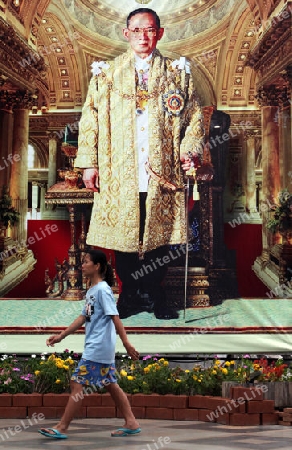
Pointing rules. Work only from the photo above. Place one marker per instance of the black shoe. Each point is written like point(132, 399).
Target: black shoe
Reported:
point(127, 310)
point(165, 313)
point(127, 304)
point(132, 304)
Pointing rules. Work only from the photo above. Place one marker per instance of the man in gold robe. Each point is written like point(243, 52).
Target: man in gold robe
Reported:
point(141, 129)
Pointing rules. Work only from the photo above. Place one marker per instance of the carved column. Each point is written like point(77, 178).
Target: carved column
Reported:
point(52, 175)
point(42, 202)
point(269, 100)
point(6, 133)
point(267, 58)
point(285, 129)
point(250, 175)
point(19, 171)
point(22, 101)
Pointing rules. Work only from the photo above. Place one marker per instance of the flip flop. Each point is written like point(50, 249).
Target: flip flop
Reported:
point(55, 435)
point(122, 432)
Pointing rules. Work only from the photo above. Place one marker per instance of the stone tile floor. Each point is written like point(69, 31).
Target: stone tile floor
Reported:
point(92, 434)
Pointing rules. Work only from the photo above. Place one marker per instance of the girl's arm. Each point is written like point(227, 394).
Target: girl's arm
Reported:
point(55, 338)
point(132, 352)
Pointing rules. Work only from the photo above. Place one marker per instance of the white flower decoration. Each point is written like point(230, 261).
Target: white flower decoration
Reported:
point(182, 64)
point(98, 66)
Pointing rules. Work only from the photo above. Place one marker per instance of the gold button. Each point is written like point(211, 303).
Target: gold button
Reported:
point(142, 149)
point(142, 128)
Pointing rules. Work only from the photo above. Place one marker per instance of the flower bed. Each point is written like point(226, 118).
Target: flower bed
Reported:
point(40, 374)
point(40, 385)
point(51, 374)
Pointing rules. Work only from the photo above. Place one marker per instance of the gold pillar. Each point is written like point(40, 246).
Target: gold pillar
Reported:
point(250, 175)
point(6, 133)
point(19, 170)
point(269, 100)
point(285, 129)
point(52, 175)
point(42, 201)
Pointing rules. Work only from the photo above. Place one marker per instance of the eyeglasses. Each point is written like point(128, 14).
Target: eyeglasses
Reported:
point(138, 31)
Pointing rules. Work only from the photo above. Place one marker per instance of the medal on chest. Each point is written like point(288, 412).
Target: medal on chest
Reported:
point(173, 102)
point(142, 95)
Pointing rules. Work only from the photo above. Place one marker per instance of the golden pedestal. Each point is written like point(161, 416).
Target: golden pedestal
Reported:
point(60, 194)
point(197, 285)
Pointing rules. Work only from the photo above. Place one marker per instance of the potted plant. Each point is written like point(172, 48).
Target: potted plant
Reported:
point(8, 214)
point(281, 220)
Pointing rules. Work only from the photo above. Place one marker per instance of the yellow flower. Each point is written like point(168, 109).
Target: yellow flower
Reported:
point(144, 382)
point(187, 371)
point(165, 363)
point(130, 377)
point(178, 380)
point(69, 361)
point(217, 362)
point(199, 380)
point(123, 373)
point(146, 369)
point(58, 381)
point(195, 378)
point(239, 369)
point(65, 367)
point(60, 364)
point(37, 372)
point(232, 363)
point(227, 363)
point(161, 359)
point(214, 372)
point(51, 357)
point(225, 371)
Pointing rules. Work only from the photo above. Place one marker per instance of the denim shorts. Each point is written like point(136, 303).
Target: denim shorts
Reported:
point(94, 373)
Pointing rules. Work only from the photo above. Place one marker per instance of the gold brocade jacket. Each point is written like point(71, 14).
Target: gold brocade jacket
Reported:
point(107, 140)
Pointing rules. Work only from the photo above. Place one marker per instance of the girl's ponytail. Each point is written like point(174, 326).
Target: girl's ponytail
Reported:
point(109, 275)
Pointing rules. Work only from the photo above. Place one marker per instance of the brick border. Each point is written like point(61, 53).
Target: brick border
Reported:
point(242, 409)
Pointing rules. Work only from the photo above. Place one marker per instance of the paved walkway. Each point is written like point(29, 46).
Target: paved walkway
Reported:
point(92, 434)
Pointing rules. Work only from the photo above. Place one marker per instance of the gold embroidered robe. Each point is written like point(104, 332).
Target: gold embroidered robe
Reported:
point(107, 140)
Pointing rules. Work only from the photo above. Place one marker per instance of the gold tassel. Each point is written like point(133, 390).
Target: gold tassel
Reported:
point(196, 195)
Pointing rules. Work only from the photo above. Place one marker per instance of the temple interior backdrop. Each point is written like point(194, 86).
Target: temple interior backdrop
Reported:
point(241, 58)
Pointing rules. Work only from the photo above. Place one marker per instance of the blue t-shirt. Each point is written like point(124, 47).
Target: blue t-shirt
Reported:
point(100, 333)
